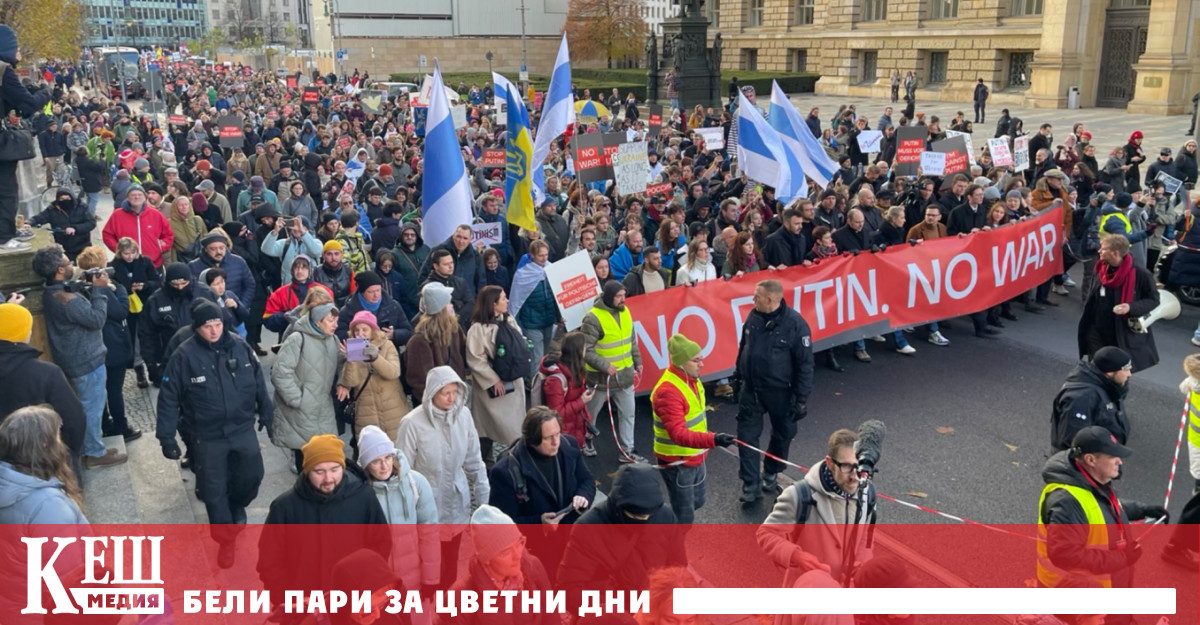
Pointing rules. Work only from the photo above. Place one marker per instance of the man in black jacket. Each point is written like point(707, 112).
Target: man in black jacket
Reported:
point(217, 377)
point(1094, 394)
point(467, 264)
point(368, 296)
point(967, 218)
point(853, 237)
point(28, 381)
point(1077, 504)
point(775, 381)
point(70, 221)
point(53, 144)
point(540, 475)
point(442, 263)
point(93, 174)
point(14, 96)
point(786, 247)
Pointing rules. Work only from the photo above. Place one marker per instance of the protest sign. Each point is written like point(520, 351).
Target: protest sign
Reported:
point(957, 161)
point(312, 95)
point(663, 188)
point(1171, 183)
point(493, 157)
point(573, 281)
point(868, 141)
point(589, 158)
point(537, 100)
point(420, 114)
point(488, 233)
point(714, 138)
point(852, 297)
point(179, 120)
point(229, 131)
point(372, 101)
point(966, 139)
point(933, 163)
point(612, 140)
point(459, 115)
point(1020, 153)
point(654, 121)
point(630, 168)
point(292, 82)
point(910, 145)
point(1001, 155)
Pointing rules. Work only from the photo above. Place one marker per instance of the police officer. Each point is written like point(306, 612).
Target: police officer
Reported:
point(681, 436)
point(216, 375)
point(775, 371)
point(1083, 527)
point(1093, 394)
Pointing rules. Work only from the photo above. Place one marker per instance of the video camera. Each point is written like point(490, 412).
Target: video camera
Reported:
point(87, 278)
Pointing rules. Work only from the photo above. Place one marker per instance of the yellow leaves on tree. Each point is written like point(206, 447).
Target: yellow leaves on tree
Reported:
point(46, 28)
point(605, 29)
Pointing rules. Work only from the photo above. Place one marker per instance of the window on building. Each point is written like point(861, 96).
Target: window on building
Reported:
point(755, 10)
point(874, 10)
point(869, 63)
point(1019, 69)
point(1022, 8)
point(216, 15)
point(749, 59)
point(938, 61)
point(803, 15)
point(1129, 4)
point(797, 60)
point(287, 17)
point(285, 3)
point(714, 12)
point(943, 9)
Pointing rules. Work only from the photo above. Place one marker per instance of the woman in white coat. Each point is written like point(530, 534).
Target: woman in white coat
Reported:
point(440, 439)
point(497, 405)
point(407, 499)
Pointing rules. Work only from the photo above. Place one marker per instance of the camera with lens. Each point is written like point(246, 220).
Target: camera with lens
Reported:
point(86, 278)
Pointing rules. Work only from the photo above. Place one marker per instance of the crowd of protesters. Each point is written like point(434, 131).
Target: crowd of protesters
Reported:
point(447, 363)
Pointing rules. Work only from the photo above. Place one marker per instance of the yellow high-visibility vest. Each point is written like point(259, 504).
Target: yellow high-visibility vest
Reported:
point(1194, 418)
point(616, 344)
point(1049, 575)
point(1121, 217)
point(697, 417)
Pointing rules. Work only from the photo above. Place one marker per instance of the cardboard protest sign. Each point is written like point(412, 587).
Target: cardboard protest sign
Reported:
point(573, 281)
point(910, 144)
point(655, 121)
point(589, 158)
point(957, 161)
point(488, 233)
point(714, 138)
point(612, 140)
point(179, 120)
point(312, 95)
point(1171, 183)
point(420, 114)
point(372, 101)
point(967, 139)
point(292, 82)
point(868, 141)
point(1020, 153)
point(459, 115)
point(933, 163)
point(631, 168)
point(229, 131)
point(663, 188)
point(1001, 155)
point(493, 157)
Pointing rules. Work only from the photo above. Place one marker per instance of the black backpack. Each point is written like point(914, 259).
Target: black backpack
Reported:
point(513, 357)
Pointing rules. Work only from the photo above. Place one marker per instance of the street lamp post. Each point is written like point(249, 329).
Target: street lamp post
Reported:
point(489, 58)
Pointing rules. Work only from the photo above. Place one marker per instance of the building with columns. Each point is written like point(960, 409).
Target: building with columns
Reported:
point(1140, 55)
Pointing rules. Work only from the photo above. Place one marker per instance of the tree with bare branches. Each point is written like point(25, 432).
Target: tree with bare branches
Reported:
point(605, 29)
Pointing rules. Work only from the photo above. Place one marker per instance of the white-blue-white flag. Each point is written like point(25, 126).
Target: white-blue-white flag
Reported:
point(500, 88)
point(445, 193)
point(761, 154)
point(558, 112)
point(798, 139)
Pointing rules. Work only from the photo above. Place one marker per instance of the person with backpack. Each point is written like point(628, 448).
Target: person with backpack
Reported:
point(498, 357)
point(543, 480)
point(560, 386)
point(826, 497)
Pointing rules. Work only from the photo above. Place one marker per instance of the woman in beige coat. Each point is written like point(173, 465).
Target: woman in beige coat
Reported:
point(497, 405)
point(381, 402)
point(187, 227)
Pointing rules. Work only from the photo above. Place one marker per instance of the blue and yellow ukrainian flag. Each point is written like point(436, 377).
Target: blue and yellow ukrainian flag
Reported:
point(518, 179)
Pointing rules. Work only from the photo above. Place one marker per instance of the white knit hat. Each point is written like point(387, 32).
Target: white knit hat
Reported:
point(373, 444)
point(435, 296)
point(492, 532)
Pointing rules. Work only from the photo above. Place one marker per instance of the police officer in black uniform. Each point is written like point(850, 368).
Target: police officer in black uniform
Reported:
point(775, 372)
point(216, 375)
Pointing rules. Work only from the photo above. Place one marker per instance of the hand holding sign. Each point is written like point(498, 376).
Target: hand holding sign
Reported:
point(933, 163)
point(868, 140)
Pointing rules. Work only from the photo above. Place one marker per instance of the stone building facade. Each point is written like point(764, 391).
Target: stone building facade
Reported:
point(1134, 54)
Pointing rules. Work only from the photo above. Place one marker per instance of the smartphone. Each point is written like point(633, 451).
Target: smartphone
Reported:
point(508, 388)
point(564, 511)
point(354, 350)
point(24, 291)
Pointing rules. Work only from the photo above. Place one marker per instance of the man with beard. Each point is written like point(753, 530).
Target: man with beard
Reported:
point(368, 296)
point(220, 381)
point(334, 273)
point(1094, 394)
point(443, 264)
point(411, 256)
point(215, 253)
point(613, 361)
point(276, 316)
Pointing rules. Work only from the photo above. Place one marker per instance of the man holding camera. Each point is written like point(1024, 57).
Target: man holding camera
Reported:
point(828, 496)
point(217, 376)
point(75, 312)
point(773, 381)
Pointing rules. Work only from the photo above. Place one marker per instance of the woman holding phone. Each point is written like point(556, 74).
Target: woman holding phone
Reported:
point(497, 404)
point(371, 378)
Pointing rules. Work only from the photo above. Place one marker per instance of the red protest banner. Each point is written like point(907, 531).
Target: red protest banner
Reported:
point(494, 158)
point(312, 95)
point(292, 82)
point(663, 188)
point(589, 158)
point(910, 144)
point(178, 120)
point(654, 121)
point(852, 297)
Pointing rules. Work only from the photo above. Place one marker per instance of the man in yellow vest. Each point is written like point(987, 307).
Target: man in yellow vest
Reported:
point(613, 363)
point(681, 436)
point(1083, 527)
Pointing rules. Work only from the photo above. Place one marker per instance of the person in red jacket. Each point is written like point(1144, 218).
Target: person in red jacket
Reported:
point(141, 222)
point(681, 436)
point(277, 315)
point(565, 391)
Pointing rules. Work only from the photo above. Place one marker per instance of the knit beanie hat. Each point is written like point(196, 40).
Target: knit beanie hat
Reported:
point(322, 448)
point(364, 316)
point(204, 311)
point(492, 532)
point(177, 271)
point(16, 323)
point(366, 279)
point(1123, 200)
point(1111, 359)
point(321, 311)
point(8, 45)
point(882, 572)
point(332, 244)
point(373, 444)
point(681, 349)
point(435, 296)
point(141, 163)
point(213, 237)
point(611, 290)
point(134, 187)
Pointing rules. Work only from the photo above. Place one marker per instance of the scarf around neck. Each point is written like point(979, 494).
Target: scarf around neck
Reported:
point(1123, 278)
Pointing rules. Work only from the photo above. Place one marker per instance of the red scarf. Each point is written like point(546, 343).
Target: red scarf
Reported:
point(1123, 279)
